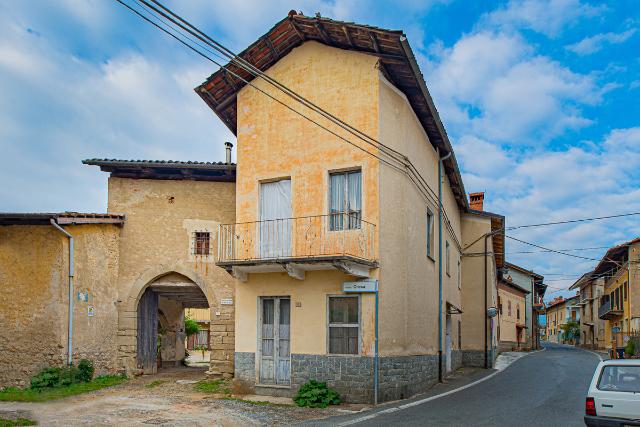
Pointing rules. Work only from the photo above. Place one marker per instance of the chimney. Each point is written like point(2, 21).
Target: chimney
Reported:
point(227, 149)
point(476, 201)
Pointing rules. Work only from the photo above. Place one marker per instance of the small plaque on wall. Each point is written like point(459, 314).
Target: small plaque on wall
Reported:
point(226, 301)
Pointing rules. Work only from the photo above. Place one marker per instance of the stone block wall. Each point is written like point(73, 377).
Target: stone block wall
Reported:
point(222, 339)
point(351, 376)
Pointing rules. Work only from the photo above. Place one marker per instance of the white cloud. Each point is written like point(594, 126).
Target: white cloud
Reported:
point(596, 43)
point(496, 87)
point(542, 186)
point(58, 109)
point(548, 17)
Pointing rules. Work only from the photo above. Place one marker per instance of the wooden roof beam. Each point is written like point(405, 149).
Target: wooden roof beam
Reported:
point(323, 34)
point(296, 29)
point(229, 80)
point(347, 35)
point(272, 49)
point(374, 41)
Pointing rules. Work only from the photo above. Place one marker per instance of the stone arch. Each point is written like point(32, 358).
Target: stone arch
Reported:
point(152, 274)
point(127, 318)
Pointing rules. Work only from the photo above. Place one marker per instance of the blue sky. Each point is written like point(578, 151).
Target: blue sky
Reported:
point(540, 99)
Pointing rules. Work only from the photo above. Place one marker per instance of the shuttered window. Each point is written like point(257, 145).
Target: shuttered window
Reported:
point(344, 325)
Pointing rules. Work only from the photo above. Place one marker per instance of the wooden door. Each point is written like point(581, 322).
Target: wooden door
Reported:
point(274, 365)
point(147, 339)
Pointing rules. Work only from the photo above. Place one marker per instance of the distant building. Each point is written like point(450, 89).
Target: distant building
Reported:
point(558, 312)
point(590, 289)
point(511, 314)
point(620, 302)
point(533, 284)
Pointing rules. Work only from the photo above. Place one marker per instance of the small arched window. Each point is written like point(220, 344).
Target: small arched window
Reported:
point(518, 311)
point(509, 307)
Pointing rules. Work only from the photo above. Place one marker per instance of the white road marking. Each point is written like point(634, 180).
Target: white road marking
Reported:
point(438, 396)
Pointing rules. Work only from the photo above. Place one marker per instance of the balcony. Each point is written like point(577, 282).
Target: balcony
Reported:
point(342, 242)
point(607, 312)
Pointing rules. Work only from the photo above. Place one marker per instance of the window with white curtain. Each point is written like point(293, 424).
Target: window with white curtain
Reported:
point(345, 200)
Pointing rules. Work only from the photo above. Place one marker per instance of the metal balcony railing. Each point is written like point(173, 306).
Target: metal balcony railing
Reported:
point(606, 311)
point(320, 236)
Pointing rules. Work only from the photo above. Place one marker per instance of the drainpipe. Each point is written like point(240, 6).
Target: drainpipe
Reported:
point(70, 309)
point(440, 160)
point(486, 349)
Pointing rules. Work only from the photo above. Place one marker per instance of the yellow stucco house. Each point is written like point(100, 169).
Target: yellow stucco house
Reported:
point(620, 302)
point(511, 313)
point(322, 212)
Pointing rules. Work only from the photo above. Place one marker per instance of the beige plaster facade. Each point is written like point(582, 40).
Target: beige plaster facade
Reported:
point(274, 143)
point(511, 315)
point(114, 265)
point(479, 275)
point(162, 216)
point(34, 299)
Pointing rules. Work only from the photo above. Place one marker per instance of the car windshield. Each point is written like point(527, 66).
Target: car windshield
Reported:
point(620, 378)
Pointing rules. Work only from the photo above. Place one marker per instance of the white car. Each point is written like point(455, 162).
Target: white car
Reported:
point(614, 395)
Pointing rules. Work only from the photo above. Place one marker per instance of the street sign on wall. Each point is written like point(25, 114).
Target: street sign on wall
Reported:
point(362, 286)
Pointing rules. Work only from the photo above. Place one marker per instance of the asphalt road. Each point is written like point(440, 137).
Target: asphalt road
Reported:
point(547, 388)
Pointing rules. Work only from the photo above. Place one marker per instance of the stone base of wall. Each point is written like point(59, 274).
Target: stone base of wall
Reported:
point(475, 358)
point(400, 377)
point(510, 346)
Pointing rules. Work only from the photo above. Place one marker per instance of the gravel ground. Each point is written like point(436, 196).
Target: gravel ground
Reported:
point(169, 403)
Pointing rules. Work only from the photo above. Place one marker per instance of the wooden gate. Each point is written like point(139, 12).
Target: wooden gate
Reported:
point(148, 332)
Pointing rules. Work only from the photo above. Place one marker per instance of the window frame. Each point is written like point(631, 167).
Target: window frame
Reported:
point(345, 172)
point(343, 325)
point(447, 257)
point(430, 234)
point(197, 246)
point(602, 374)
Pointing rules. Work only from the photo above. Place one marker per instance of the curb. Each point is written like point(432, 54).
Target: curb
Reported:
point(437, 396)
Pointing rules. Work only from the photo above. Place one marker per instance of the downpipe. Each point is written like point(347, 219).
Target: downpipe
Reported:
point(440, 160)
point(70, 308)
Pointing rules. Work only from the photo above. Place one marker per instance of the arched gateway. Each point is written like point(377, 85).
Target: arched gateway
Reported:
point(155, 306)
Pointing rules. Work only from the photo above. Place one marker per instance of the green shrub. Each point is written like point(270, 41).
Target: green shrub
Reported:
point(85, 370)
point(630, 348)
point(190, 326)
point(46, 378)
point(315, 394)
point(53, 377)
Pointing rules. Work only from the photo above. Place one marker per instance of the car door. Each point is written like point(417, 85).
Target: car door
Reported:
point(617, 391)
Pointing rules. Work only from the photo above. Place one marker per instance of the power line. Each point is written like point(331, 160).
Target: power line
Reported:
point(561, 250)
point(407, 167)
point(422, 185)
point(544, 224)
point(550, 250)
